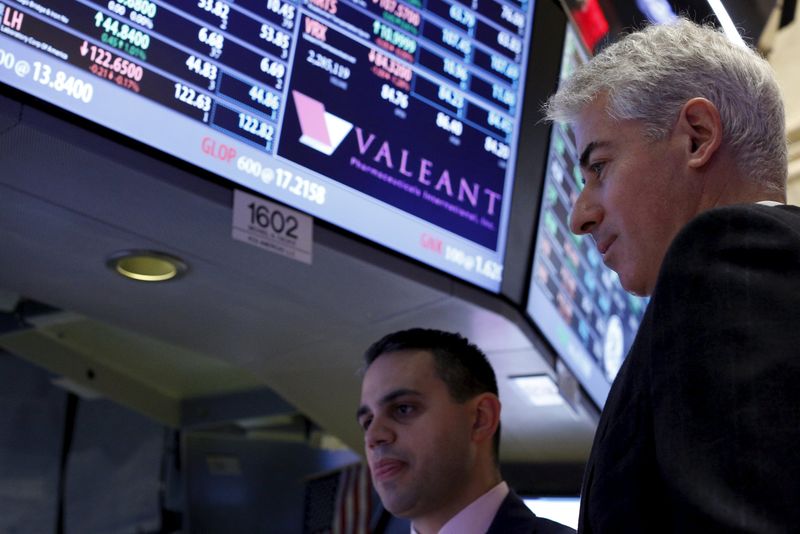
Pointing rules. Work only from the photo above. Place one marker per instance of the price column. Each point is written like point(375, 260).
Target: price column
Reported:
point(234, 48)
point(114, 51)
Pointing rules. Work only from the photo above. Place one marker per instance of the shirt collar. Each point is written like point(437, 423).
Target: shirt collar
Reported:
point(478, 515)
point(770, 203)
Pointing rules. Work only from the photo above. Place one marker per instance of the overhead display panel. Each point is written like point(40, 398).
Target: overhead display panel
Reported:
point(395, 120)
point(575, 300)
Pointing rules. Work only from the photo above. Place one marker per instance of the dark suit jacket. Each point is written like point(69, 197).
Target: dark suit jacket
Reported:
point(701, 427)
point(514, 517)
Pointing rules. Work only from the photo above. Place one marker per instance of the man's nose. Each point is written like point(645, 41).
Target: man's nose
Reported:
point(586, 214)
point(378, 433)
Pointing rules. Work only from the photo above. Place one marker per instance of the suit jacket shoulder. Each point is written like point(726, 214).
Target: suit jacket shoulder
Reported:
point(514, 517)
point(701, 423)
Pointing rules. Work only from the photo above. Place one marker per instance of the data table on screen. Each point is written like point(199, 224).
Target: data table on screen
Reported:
point(395, 120)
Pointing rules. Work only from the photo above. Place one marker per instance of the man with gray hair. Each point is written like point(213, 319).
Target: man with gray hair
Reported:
point(682, 147)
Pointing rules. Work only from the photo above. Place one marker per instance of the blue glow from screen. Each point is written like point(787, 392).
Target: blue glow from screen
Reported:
point(562, 510)
point(657, 11)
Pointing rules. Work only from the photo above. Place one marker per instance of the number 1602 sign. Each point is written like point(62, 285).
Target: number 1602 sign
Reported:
point(272, 227)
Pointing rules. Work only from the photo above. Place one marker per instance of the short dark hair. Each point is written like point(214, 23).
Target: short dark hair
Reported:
point(461, 365)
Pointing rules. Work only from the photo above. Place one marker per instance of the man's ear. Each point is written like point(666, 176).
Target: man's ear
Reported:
point(487, 417)
point(700, 122)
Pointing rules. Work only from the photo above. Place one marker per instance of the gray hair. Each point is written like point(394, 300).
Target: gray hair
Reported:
point(649, 75)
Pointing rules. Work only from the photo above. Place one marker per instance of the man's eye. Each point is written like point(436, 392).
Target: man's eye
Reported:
point(404, 409)
point(365, 423)
point(596, 168)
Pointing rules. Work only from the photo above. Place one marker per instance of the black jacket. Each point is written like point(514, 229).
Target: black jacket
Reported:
point(701, 427)
point(514, 517)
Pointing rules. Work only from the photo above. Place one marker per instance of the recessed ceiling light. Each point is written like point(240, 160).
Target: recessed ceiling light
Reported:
point(147, 265)
point(540, 389)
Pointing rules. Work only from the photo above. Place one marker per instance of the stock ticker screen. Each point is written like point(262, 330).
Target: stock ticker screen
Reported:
point(577, 302)
point(394, 119)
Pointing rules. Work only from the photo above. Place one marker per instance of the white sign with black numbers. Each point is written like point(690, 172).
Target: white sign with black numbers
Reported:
point(272, 227)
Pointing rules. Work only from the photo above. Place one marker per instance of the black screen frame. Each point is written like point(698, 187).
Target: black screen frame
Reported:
point(550, 22)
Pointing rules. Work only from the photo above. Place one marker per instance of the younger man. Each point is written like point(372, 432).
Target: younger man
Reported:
point(431, 417)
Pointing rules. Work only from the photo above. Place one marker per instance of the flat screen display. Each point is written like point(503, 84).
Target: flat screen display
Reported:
point(393, 119)
point(574, 299)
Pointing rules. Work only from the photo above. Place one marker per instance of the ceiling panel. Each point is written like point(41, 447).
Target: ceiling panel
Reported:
point(70, 198)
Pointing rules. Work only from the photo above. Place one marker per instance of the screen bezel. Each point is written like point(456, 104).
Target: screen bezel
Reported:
point(541, 77)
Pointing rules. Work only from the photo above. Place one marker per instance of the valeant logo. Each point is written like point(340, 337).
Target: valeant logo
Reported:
point(322, 131)
point(396, 165)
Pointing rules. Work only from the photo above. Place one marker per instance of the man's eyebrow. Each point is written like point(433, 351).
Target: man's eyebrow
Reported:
point(389, 397)
point(584, 159)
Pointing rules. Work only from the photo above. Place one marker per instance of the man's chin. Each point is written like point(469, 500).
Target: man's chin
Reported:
point(636, 291)
point(635, 285)
point(395, 502)
point(398, 509)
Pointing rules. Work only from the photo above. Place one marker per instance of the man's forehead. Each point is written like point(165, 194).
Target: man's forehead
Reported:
point(395, 370)
point(591, 123)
